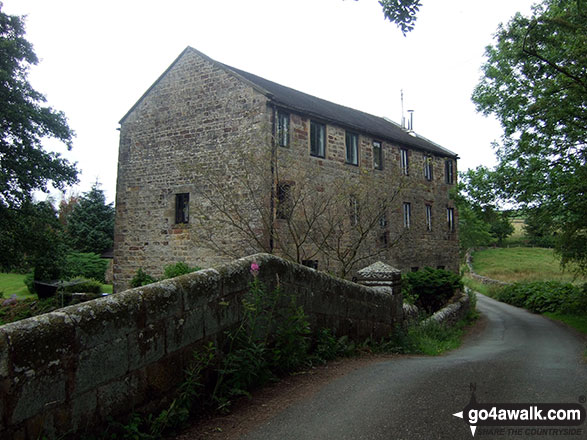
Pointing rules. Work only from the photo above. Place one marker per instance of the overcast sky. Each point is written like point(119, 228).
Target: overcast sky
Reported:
point(98, 58)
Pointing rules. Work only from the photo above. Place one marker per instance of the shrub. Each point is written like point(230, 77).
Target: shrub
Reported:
point(545, 296)
point(47, 268)
point(514, 294)
point(141, 278)
point(291, 343)
point(29, 281)
point(431, 288)
point(86, 265)
point(84, 286)
point(328, 347)
point(177, 269)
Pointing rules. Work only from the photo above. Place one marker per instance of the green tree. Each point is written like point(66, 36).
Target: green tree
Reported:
point(29, 230)
point(473, 231)
point(66, 206)
point(31, 237)
point(535, 82)
point(538, 227)
point(25, 121)
point(479, 188)
point(90, 226)
point(401, 12)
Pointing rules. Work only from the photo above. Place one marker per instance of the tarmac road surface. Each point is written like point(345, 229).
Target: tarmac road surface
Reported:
point(518, 357)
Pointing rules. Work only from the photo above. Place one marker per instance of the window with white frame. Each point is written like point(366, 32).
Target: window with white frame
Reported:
point(428, 217)
point(449, 171)
point(407, 215)
point(317, 139)
point(282, 128)
point(352, 148)
point(428, 167)
point(404, 164)
point(377, 155)
point(450, 217)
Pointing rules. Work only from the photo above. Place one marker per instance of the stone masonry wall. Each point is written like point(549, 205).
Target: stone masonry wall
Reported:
point(71, 370)
point(192, 117)
point(418, 247)
point(195, 116)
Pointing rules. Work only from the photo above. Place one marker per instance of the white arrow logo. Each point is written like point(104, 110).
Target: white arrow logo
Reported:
point(460, 416)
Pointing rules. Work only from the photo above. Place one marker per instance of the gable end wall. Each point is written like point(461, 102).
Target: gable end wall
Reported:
point(189, 118)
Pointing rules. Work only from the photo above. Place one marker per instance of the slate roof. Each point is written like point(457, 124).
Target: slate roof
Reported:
point(318, 108)
point(294, 100)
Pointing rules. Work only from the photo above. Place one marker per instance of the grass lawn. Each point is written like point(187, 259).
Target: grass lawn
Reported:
point(13, 284)
point(521, 264)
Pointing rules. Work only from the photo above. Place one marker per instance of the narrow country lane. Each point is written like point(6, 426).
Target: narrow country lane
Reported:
point(519, 357)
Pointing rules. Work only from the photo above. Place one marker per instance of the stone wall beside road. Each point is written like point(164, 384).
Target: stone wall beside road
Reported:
point(73, 369)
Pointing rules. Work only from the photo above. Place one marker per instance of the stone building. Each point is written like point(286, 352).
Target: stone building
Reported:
point(201, 116)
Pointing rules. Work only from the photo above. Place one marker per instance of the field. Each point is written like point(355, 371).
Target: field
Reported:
point(517, 264)
point(518, 237)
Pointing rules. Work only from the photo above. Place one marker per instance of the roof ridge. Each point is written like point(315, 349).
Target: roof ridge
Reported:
point(401, 138)
point(320, 108)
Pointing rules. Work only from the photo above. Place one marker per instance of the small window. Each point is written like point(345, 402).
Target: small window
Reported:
point(428, 217)
point(407, 215)
point(383, 220)
point(449, 171)
point(182, 208)
point(428, 168)
point(354, 211)
point(450, 217)
point(317, 139)
point(282, 129)
point(377, 155)
point(284, 202)
point(415, 268)
point(384, 239)
point(404, 164)
point(440, 267)
point(352, 148)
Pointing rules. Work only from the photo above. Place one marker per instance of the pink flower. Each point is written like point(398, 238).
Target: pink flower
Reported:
point(254, 269)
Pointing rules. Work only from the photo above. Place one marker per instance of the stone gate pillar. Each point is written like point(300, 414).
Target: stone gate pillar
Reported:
point(388, 280)
point(382, 275)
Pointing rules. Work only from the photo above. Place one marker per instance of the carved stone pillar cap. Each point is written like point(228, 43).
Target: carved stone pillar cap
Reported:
point(378, 273)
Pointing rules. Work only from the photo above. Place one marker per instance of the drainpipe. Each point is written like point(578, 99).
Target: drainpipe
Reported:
point(273, 183)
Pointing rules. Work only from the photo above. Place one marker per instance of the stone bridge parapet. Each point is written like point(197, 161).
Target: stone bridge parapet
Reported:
point(71, 370)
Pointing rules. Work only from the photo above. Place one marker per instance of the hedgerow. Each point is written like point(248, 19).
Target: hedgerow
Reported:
point(545, 296)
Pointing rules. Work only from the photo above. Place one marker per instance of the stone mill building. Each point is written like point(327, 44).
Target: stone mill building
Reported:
point(216, 163)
